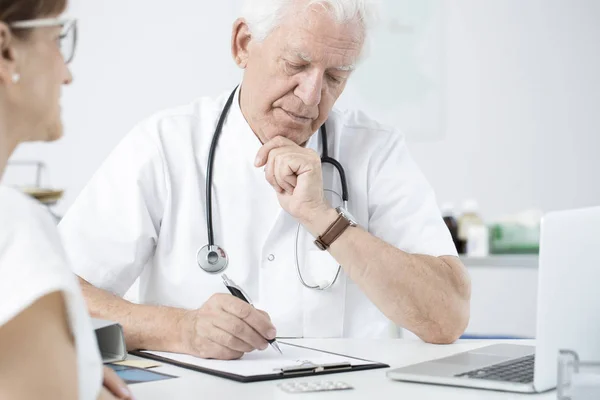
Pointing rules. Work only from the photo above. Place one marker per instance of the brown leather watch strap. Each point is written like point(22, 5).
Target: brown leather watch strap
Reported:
point(332, 233)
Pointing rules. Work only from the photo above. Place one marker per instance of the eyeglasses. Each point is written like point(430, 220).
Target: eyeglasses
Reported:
point(68, 35)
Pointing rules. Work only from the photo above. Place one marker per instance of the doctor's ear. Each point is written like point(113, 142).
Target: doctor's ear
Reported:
point(8, 71)
point(240, 41)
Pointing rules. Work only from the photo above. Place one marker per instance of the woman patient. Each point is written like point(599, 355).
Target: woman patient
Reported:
point(47, 346)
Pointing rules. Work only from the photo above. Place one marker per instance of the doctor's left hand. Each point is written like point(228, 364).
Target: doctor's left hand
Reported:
point(295, 174)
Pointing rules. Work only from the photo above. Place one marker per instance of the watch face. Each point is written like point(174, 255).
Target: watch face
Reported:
point(346, 214)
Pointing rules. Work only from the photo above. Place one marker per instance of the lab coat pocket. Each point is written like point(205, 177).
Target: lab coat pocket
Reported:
point(323, 310)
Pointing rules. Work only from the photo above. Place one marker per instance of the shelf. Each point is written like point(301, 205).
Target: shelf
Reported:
point(516, 260)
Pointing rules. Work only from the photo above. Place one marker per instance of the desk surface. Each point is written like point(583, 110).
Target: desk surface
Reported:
point(395, 352)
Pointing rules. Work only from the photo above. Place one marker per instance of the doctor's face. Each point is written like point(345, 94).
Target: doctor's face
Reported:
point(293, 77)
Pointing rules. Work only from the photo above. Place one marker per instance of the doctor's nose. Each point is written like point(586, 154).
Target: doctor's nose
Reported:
point(310, 88)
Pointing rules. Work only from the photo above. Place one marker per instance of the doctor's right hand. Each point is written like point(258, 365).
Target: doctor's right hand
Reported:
point(225, 328)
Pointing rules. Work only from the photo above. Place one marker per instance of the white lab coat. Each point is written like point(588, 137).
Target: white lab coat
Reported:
point(143, 215)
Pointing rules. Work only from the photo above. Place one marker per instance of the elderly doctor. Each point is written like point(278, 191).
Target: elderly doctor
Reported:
point(274, 207)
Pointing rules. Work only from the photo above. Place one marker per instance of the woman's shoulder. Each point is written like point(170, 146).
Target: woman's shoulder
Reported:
point(26, 223)
point(32, 265)
point(32, 261)
point(17, 209)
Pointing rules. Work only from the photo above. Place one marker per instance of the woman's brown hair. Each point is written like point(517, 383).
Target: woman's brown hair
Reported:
point(22, 10)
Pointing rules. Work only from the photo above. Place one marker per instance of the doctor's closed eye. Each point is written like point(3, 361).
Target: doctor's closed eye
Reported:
point(293, 67)
point(335, 79)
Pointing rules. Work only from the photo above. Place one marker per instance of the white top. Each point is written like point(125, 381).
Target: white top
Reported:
point(143, 215)
point(32, 265)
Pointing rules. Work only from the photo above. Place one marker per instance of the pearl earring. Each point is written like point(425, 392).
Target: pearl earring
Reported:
point(16, 77)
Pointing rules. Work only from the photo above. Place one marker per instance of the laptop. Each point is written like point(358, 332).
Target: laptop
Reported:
point(568, 317)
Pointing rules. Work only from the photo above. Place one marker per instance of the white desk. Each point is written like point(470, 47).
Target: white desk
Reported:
point(395, 352)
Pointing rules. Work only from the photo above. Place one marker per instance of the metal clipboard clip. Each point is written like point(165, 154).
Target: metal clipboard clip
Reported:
point(309, 367)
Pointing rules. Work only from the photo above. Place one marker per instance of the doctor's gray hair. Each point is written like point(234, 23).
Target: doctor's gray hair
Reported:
point(263, 16)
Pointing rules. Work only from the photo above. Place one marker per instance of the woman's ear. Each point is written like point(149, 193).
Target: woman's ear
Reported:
point(240, 40)
point(8, 72)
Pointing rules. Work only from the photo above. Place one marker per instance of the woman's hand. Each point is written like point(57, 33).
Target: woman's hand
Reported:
point(114, 387)
point(106, 395)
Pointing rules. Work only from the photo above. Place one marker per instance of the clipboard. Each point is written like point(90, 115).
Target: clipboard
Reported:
point(303, 369)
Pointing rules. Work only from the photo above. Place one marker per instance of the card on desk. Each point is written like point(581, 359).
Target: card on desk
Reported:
point(133, 375)
point(264, 365)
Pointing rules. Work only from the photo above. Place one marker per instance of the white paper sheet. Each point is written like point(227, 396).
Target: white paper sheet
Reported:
point(265, 362)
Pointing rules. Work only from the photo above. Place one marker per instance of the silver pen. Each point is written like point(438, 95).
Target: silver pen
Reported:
point(238, 292)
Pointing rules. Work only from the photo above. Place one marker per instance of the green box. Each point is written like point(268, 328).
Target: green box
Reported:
point(514, 239)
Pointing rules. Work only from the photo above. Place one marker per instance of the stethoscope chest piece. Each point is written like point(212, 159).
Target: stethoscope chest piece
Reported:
point(212, 259)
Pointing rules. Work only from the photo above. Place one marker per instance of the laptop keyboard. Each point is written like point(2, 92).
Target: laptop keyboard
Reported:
point(519, 370)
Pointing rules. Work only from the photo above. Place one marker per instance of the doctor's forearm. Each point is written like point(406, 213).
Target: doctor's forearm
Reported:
point(428, 295)
point(145, 327)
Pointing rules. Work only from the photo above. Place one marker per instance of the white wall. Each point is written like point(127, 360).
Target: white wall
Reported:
point(134, 57)
point(523, 106)
point(523, 93)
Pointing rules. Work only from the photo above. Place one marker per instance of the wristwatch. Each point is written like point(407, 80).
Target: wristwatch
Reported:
point(335, 230)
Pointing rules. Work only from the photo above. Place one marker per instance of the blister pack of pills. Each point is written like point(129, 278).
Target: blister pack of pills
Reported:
point(316, 386)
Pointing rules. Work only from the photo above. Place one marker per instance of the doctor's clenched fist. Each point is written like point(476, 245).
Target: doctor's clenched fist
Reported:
point(225, 328)
point(295, 173)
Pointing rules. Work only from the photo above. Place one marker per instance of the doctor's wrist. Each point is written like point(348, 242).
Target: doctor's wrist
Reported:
point(154, 327)
point(320, 220)
point(184, 332)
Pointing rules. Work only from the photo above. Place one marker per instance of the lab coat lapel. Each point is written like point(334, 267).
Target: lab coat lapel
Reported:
point(244, 204)
point(253, 144)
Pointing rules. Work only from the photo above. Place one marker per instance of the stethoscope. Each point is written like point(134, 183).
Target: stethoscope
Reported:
point(213, 258)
